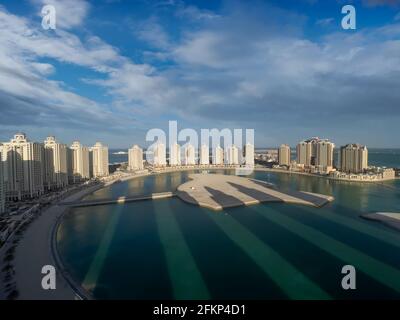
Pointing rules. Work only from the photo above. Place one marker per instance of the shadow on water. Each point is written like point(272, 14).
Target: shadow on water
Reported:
point(319, 265)
point(185, 277)
point(226, 268)
point(187, 197)
point(265, 184)
point(318, 201)
point(381, 250)
point(135, 267)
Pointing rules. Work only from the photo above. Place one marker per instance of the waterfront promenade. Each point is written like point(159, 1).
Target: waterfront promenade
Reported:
point(35, 250)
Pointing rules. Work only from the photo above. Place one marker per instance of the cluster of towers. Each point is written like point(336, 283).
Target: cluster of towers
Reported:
point(317, 154)
point(187, 156)
point(28, 168)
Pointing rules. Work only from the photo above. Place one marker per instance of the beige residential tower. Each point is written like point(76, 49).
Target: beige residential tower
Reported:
point(135, 158)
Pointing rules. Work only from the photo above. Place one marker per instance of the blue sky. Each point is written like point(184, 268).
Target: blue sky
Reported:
point(113, 69)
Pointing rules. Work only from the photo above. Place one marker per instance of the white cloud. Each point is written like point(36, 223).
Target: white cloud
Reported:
point(23, 76)
point(140, 85)
point(234, 68)
point(43, 68)
point(201, 48)
point(194, 13)
point(19, 35)
point(152, 32)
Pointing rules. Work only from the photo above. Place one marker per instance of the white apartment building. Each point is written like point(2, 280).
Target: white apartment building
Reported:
point(135, 158)
point(175, 154)
point(2, 187)
point(55, 164)
point(190, 155)
point(23, 171)
point(159, 155)
point(232, 155)
point(249, 155)
point(204, 155)
point(80, 163)
point(353, 158)
point(99, 160)
point(284, 155)
point(218, 157)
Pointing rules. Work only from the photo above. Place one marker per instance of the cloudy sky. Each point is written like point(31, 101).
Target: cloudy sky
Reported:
point(113, 69)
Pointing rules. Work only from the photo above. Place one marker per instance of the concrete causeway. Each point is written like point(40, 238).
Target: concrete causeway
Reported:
point(217, 192)
point(119, 200)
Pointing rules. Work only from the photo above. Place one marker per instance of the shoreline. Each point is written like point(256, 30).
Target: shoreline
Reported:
point(323, 176)
point(70, 288)
point(79, 291)
point(29, 259)
point(260, 169)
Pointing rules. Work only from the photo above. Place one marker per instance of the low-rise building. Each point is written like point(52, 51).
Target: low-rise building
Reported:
point(372, 174)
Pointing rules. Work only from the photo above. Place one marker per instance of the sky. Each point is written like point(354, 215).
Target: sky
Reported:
point(114, 69)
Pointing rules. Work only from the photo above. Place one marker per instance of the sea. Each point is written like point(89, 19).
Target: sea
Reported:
point(169, 249)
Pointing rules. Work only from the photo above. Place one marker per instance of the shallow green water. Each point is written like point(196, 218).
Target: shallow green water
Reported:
point(168, 249)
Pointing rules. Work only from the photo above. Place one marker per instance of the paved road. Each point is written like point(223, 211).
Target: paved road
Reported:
point(35, 250)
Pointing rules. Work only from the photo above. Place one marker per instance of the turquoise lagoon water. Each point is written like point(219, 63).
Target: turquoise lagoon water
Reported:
point(168, 249)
